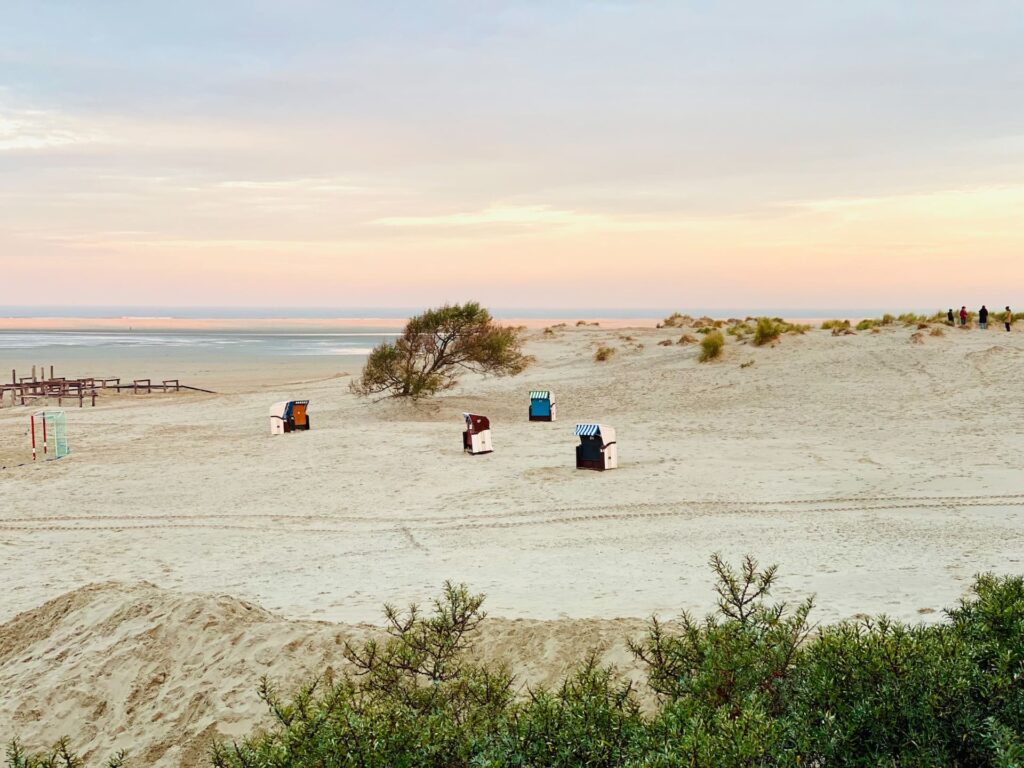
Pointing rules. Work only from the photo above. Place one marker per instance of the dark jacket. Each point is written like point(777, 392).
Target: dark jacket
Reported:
point(983, 315)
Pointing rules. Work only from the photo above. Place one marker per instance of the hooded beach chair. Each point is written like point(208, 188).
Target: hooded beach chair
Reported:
point(541, 406)
point(289, 416)
point(477, 437)
point(597, 448)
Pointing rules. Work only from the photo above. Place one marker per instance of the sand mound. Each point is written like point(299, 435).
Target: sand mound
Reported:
point(162, 674)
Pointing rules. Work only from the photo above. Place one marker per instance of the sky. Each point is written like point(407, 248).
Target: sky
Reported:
point(524, 154)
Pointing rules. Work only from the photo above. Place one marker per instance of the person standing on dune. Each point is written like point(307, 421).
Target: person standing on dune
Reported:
point(963, 315)
point(1008, 319)
point(983, 317)
point(949, 317)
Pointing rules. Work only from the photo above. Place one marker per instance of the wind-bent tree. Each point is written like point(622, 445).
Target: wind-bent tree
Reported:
point(436, 347)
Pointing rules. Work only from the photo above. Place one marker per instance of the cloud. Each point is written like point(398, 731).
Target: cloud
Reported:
point(525, 216)
point(26, 130)
point(313, 185)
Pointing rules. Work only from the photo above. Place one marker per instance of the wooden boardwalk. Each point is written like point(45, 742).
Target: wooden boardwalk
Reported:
point(27, 389)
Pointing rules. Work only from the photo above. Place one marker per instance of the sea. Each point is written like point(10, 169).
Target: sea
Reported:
point(190, 343)
point(238, 333)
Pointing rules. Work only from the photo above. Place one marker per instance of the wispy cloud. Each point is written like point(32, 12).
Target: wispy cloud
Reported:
point(308, 185)
point(34, 130)
point(527, 217)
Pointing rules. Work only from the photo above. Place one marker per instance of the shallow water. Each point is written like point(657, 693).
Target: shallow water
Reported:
point(17, 344)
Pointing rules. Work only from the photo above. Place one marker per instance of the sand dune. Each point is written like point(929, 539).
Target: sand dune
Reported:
point(880, 474)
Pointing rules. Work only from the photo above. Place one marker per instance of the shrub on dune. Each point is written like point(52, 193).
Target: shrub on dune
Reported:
point(829, 325)
point(676, 320)
point(937, 332)
point(436, 347)
point(865, 325)
point(711, 346)
point(686, 338)
point(754, 684)
point(603, 353)
point(766, 331)
point(739, 330)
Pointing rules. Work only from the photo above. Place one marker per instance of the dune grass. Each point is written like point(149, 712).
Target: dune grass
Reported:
point(711, 346)
point(604, 353)
point(676, 320)
point(829, 325)
point(766, 331)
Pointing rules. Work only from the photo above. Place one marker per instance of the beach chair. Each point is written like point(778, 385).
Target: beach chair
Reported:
point(597, 449)
point(476, 439)
point(541, 406)
point(289, 416)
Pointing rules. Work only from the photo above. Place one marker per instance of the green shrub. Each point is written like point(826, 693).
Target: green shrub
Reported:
point(753, 685)
point(603, 353)
point(60, 755)
point(865, 325)
point(435, 348)
point(767, 331)
point(592, 719)
point(711, 346)
point(887, 319)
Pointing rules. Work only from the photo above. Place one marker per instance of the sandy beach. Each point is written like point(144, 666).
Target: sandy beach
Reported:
point(880, 474)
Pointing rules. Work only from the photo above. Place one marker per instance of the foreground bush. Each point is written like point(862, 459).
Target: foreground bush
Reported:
point(754, 684)
point(751, 685)
point(436, 347)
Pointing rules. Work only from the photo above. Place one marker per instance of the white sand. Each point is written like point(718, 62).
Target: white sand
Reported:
point(880, 474)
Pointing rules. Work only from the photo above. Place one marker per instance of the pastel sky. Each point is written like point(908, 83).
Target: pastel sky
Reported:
point(526, 154)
